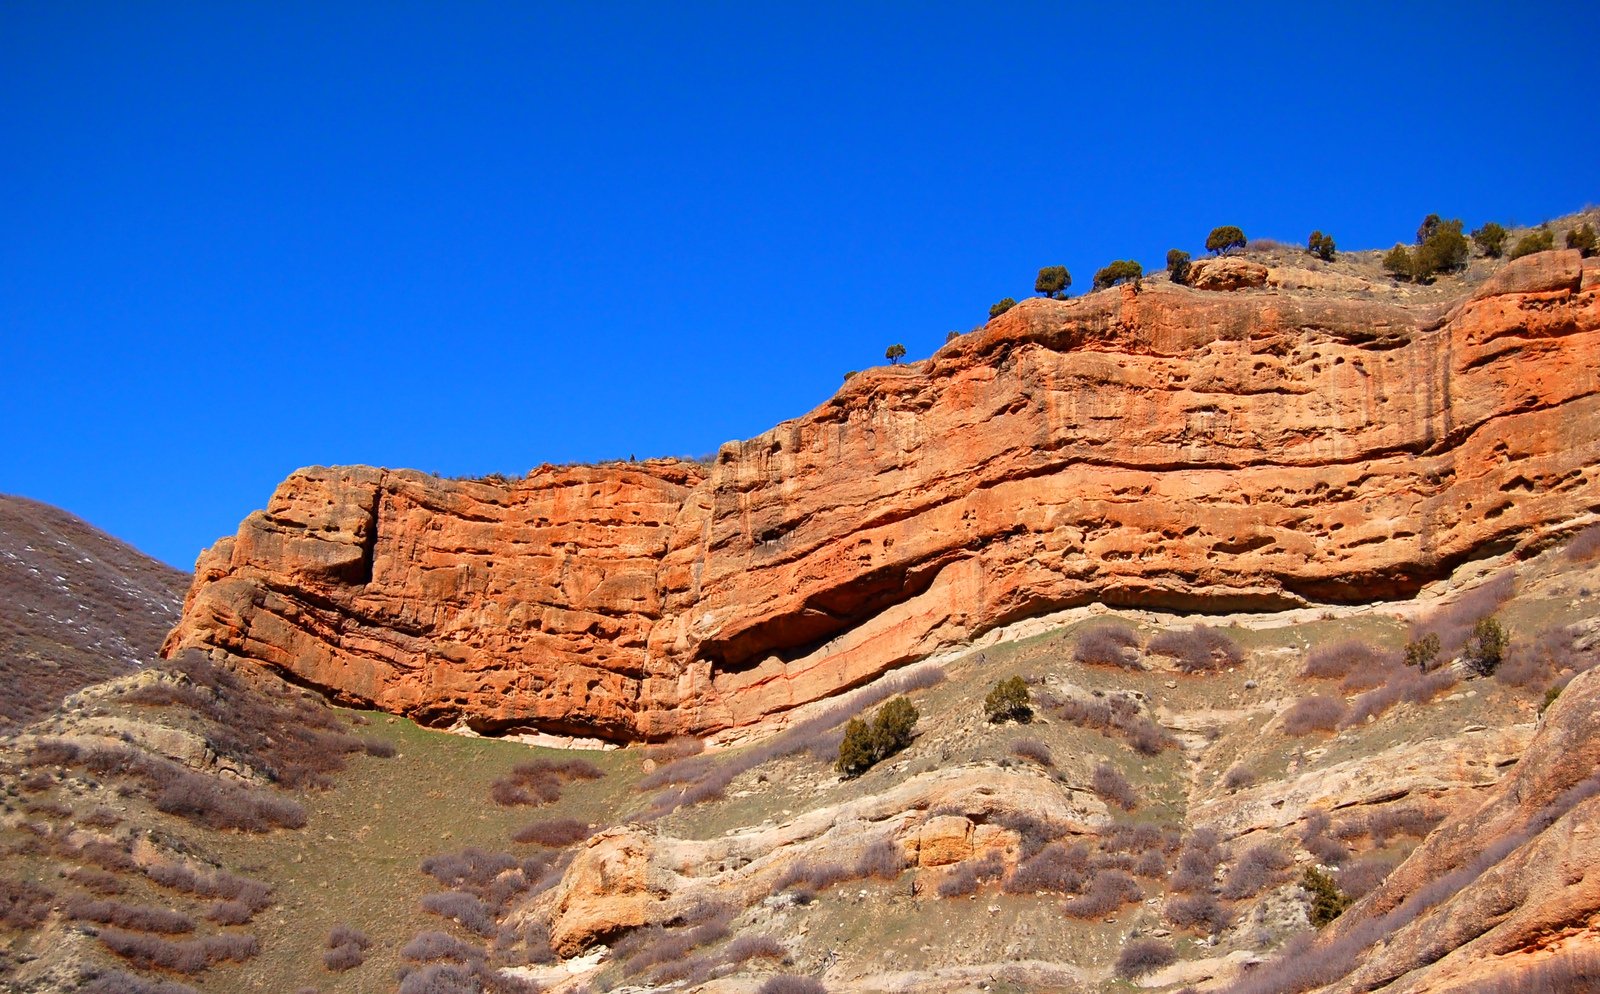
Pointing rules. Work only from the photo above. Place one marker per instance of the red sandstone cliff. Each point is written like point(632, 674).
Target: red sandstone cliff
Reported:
point(1166, 446)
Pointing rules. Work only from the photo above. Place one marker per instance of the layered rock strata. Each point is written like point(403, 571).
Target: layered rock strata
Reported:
point(1160, 446)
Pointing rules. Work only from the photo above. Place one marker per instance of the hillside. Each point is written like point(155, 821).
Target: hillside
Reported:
point(76, 607)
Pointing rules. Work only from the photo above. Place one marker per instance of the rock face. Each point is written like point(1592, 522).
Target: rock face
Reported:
point(1162, 446)
point(1227, 273)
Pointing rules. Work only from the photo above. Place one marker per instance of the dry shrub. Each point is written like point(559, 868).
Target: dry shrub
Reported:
point(1238, 777)
point(749, 947)
point(186, 956)
point(431, 945)
point(1199, 912)
point(1034, 750)
point(439, 978)
point(1142, 956)
point(1113, 787)
point(1197, 862)
point(1337, 660)
point(223, 804)
point(464, 909)
point(807, 875)
point(883, 859)
point(1584, 546)
point(966, 877)
point(342, 958)
point(107, 855)
point(1406, 685)
point(1360, 877)
point(706, 778)
point(1453, 622)
point(791, 984)
point(1108, 645)
point(290, 735)
point(100, 817)
point(1538, 661)
point(1107, 891)
point(1116, 714)
point(234, 891)
point(1413, 820)
point(675, 749)
point(1054, 868)
point(23, 904)
point(1198, 650)
point(117, 982)
point(555, 833)
point(539, 781)
point(1261, 866)
point(1315, 713)
point(1318, 841)
point(96, 881)
point(520, 946)
point(378, 748)
point(1150, 864)
point(205, 800)
point(142, 918)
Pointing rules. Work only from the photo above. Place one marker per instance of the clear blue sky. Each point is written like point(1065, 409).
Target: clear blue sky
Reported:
point(236, 239)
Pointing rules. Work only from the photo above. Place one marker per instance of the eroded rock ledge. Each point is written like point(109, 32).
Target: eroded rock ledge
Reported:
point(1167, 447)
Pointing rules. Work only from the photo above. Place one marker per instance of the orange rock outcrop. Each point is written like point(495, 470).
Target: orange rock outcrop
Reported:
point(1160, 446)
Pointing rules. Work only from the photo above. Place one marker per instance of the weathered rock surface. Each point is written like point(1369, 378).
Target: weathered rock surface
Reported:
point(1161, 447)
point(1227, 273)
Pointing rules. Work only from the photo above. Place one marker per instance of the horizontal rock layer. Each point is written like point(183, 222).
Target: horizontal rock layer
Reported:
point(1158, 445)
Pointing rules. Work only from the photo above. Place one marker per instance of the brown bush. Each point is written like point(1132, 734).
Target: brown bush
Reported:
point(1142, 956)
point(342, 958)
point(221, 804)
point(465, 909)
point(23, 904)
point(1198, 650)
point(675, 749)
point(134, 916)
point(1199, 912)
point(539, 781)
point(1360, 877)
point(749, 947)
point(554, 833)
point(439, 978)
point(812, 876)
point(1108, 645)
point(1106, 892)
point(186, 956)
point(965, 878)
point(212, 883)
point(96, 881)
point(1261, 866)
point(1197, 862)
point(1315, 713)
point(1034, 750)
point(1584, 546)
point(1338, 659)
point(117, 982)
point(1537, 661)
point(1113, 787)
point(1150, 864)
point(1413, 820)
point(1238, 777)
point(883, 859)
point(433, 945)
point(1054, 868)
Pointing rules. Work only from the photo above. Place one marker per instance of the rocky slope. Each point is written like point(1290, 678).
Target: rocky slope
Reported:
point(1297, 438)
point(76, 607)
